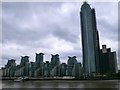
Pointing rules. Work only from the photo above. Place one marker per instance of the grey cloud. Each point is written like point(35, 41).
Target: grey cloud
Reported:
point(23, 9)
point(20, 37)
point(15, 32)
point(108, 31)
point(65, 34)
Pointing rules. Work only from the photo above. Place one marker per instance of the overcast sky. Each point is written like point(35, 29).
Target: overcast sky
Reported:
point(51, 28)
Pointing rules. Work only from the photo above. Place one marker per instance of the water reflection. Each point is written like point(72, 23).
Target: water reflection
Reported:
point(62, 84)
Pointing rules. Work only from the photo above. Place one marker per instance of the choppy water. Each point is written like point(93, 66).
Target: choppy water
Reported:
point(62, 84)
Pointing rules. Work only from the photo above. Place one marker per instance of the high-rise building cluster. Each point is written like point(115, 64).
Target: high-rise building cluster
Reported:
point(96, 61)
point(43, 69)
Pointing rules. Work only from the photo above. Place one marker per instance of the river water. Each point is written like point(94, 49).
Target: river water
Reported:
point(62, 84)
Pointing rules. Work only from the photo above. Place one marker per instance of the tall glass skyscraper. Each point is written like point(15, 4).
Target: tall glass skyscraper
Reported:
point(90, 40)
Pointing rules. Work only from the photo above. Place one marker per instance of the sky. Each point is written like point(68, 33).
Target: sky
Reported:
point(53, 28)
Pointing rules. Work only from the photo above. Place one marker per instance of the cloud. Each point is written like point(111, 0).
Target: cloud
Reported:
point(51, 28)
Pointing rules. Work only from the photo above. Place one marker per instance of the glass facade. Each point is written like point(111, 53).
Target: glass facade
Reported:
point(90, 39)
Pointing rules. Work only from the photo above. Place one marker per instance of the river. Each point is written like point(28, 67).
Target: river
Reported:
point(62, 84)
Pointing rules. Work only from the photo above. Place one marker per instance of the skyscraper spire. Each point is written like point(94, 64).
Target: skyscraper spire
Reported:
point(85, 1)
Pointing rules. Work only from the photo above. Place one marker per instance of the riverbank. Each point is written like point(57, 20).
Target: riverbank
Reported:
point(46, 79)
